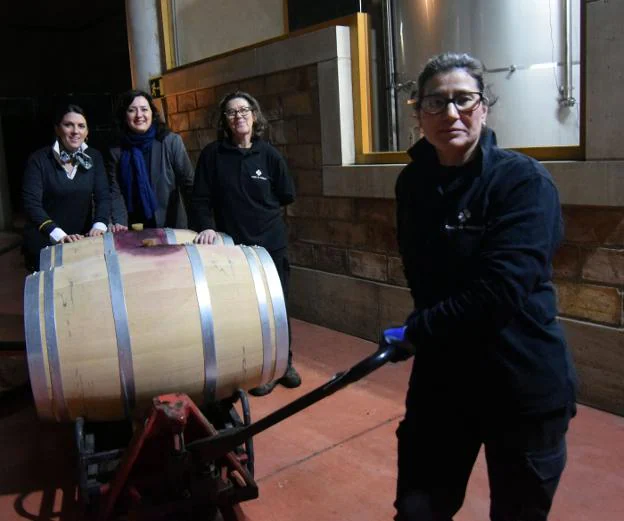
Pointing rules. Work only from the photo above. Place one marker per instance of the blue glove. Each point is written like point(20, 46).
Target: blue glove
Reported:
point(396, 336)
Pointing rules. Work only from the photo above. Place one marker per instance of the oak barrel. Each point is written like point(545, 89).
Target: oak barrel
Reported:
point(105, 335)
point(60, 254)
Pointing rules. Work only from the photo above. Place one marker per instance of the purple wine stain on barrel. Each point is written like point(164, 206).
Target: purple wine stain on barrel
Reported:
point(149, 241)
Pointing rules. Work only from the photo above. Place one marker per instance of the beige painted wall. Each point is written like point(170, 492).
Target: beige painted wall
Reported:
point(205, 29)
point(604, 75)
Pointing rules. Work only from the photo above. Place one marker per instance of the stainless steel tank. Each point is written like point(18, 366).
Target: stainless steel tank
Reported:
point(530, 49)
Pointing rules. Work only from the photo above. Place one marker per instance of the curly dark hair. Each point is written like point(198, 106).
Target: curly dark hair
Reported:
point(446, 62)
point(260, 124)
point(124, 101)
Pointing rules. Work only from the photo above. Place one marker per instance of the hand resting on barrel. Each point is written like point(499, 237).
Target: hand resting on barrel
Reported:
point(114, 228)
point(206, 237)
point(74, 237)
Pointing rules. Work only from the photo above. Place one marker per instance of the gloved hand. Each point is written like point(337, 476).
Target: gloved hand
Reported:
point(396, 336)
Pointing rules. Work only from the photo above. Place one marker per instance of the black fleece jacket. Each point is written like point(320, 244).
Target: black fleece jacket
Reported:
point(245, 189)
point(477, 251)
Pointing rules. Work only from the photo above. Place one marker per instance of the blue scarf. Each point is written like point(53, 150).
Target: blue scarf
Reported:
point(132, 165)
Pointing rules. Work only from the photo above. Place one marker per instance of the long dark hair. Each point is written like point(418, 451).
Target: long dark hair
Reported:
point(259, 126)
point(448, 61)
point(121, 107)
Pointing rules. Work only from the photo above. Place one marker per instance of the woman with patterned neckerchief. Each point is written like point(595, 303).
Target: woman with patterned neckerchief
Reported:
point(65, 190)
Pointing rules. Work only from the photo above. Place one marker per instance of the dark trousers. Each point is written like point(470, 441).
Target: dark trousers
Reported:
point(280, 259)
point(437, 450)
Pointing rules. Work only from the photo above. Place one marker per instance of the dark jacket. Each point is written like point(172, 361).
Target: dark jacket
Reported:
point(171, 175)
point(245, 190)
point(53, 200)
point(478, 259)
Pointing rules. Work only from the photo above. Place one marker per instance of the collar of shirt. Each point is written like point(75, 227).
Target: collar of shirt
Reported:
point(56, 148)
point(56, 151)
point(254, 149)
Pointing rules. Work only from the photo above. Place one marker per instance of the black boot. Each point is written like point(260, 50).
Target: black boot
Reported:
point(291, 378)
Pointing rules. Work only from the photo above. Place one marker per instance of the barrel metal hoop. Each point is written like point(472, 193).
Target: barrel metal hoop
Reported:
point(206, 321)
point(280, 313)
point(58, 255)
point(52, 345)
point(34, 347)
point(122, 330)
point(267, 346)
point(109, 242)
point(45, 258)
point(227, 239)
point(171, 236)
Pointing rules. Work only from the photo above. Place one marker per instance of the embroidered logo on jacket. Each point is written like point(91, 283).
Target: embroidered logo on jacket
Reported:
point(258, 175)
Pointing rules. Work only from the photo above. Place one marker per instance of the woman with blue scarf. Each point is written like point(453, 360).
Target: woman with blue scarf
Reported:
point(150, 172)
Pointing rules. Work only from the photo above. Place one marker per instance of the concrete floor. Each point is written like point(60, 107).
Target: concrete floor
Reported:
point(336, 460)
point(333, 461)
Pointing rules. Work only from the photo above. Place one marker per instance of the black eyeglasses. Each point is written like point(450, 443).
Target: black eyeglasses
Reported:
point(243, 111)
point(465, 102)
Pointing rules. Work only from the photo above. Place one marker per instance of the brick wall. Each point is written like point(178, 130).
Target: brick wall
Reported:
point(346, 236)
point(589, 275)
point(289, 101)
point(589, 268)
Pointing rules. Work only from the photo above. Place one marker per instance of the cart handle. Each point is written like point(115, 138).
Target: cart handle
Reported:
point(214, 447)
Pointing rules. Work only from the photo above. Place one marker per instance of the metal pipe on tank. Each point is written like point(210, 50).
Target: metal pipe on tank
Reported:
point(392, 116)
point(567, 100)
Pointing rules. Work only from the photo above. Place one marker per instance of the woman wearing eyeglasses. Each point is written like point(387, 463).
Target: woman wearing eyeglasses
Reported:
point(477, 230)
point(241, 185)
point(150, 172)
point(65, 191)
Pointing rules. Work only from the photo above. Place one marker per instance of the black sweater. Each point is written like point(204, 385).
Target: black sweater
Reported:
point(478, 259)
point(245, 189)
point(52, 198)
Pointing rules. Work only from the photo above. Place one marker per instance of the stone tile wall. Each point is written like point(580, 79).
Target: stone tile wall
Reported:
point(289, 101)
point(589, 268)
